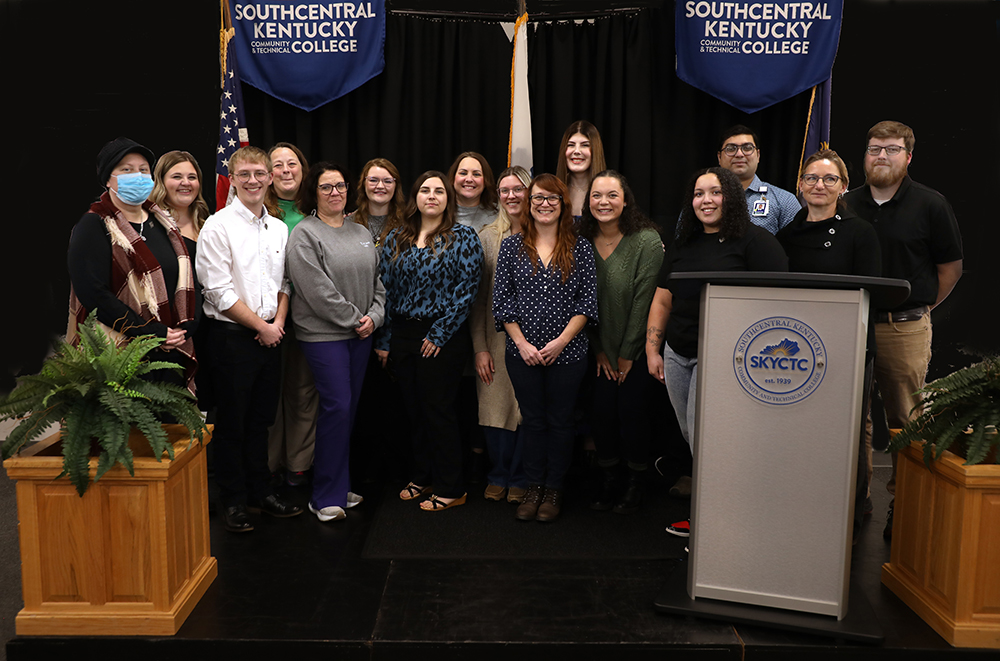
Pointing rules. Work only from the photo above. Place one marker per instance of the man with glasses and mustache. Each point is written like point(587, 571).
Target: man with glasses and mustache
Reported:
point(920, 243)
point(241, 264)
point(770, 207)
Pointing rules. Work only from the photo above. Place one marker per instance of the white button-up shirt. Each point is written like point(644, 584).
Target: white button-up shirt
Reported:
point(242, 258)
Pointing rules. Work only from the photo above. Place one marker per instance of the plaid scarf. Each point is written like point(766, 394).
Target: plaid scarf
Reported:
point(137, 280)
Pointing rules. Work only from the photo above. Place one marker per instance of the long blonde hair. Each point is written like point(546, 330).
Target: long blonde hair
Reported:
point(504, 221)
point(158, 197)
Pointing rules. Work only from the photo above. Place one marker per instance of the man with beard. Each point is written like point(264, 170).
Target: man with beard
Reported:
point(920, 243)
point(770, 207)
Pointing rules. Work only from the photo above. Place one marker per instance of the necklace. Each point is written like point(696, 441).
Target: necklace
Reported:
point(608, 243)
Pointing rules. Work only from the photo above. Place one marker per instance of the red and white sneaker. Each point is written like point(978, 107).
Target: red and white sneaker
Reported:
point(680, 528)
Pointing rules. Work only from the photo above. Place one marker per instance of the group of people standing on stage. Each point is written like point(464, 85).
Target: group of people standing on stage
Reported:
point(524, 282)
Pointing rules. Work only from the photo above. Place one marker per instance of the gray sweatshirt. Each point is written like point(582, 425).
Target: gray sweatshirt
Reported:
point(336, 278)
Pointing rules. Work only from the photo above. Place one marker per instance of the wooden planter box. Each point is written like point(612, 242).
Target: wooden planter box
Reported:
point(131, 557)
point(945, 561)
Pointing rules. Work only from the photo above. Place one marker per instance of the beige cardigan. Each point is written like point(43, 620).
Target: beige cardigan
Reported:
point(497, 404)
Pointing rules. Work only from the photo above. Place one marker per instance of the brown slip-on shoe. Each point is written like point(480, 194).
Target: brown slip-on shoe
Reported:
point(516, 494)
point(495, 492)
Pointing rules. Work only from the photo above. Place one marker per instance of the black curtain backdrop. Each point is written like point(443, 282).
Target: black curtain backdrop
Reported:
point(618, 73)
point(78, 74)
point(445, 90)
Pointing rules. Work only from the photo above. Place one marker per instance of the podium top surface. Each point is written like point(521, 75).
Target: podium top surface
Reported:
point(886, 293)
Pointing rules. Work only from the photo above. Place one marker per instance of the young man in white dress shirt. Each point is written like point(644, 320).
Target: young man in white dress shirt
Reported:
point(241, 264)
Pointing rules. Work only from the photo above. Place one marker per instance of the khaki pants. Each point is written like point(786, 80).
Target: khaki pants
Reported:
point(904, 352)
point(292, 437)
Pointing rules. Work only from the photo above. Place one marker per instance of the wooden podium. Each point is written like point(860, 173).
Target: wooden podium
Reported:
point(131, 557)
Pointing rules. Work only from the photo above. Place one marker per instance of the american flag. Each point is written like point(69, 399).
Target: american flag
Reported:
point(818, 125)
point(232, 126)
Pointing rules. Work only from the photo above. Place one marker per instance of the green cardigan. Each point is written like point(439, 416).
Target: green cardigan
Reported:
point(626, 282)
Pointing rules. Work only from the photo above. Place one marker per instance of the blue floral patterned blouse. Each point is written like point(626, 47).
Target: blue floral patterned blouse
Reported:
point(424, 285)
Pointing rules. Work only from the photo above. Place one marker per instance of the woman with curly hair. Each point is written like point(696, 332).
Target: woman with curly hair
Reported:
point(380, 199)
point(431, 268)
point(544, 294)
point(628, 253)
point(581, 154)
point(714, 234)
point(177, 184)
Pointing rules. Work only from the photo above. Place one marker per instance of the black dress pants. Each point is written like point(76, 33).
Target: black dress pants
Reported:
point(246, 379)
point(430, 391)
point(621, 415)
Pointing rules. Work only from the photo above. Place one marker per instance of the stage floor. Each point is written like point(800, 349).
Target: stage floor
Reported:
point(302, 589)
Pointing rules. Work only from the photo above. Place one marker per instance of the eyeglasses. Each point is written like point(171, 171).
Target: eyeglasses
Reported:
point(538, 200)
point(327, 189)
point(746, 147)
point(891, 150)
point(244, 176)
point(388, 181)
point(517, 190)
point(813, 179)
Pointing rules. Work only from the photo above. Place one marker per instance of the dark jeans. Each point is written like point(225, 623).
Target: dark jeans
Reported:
point(430, 392)
point(546, 395)
point(245, 377)
point(505, 448)
point(621, 416)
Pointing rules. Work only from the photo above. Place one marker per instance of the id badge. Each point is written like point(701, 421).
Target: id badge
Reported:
point(760, 208)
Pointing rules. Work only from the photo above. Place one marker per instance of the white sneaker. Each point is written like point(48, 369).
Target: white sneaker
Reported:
point(353, 499)
point(331, 513)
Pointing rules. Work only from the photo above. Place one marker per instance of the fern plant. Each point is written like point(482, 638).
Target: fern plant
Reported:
point(961, 412)
point(97, 391)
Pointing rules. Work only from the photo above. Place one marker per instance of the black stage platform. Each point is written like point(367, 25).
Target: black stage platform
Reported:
point(300, 590)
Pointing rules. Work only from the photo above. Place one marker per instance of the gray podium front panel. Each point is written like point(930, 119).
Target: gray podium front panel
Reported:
point(780, 376)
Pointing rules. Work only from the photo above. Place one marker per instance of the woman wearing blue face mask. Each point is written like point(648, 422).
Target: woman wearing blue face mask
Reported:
point(128, 261)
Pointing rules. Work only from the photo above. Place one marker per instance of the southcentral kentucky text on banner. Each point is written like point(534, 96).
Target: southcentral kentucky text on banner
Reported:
point(754, 54)
point(308, 53)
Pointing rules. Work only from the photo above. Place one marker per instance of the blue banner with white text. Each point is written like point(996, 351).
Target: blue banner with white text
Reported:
point(308, 53)
point(754, 54)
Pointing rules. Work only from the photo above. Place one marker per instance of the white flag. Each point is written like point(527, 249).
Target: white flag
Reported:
point(519, 148)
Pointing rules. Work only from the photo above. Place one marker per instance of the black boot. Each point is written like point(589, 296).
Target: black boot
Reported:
point(630, 501)
point(604, 498)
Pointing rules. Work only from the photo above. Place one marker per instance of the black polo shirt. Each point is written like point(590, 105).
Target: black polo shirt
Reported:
point(917, 231)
